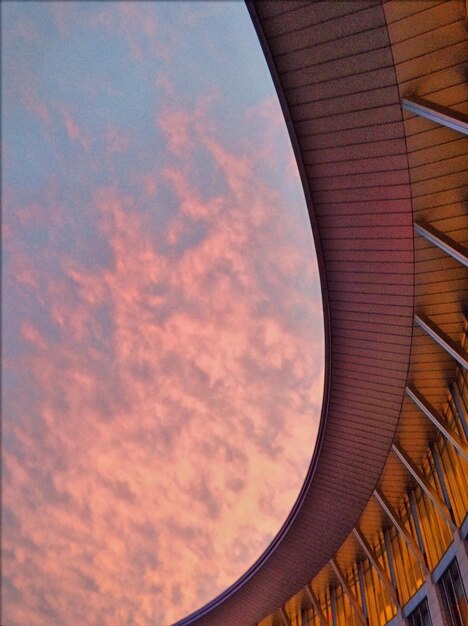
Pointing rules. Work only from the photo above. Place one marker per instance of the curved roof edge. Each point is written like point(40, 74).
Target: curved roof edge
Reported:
point(328, 506)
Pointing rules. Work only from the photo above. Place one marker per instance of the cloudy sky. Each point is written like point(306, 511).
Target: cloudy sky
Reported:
point(162, 324)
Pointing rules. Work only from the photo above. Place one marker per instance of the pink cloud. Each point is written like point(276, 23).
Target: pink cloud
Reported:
point(164, 453)
point(136, 26)
point(32, 335)
point(176, 126)
point(74, 131)
point(23, 270)
point(151, 185)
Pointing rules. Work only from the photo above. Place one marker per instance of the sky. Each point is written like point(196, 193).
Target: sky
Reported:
point(162, 321)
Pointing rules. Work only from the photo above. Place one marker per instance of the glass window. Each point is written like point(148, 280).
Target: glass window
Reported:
point(436, 533)
point(380, 608)
point(420, 616)
point(453, 466)
point(454, 596)
point(408, 573)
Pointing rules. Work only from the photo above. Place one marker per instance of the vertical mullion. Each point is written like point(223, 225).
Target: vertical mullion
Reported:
point(362, 589)
point(458, 401)
point(332, 593)
point(415, 514)
point(388, 548)
point(440, 475)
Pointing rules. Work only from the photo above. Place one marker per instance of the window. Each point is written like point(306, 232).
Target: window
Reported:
point(454, 595)
point(420, 616)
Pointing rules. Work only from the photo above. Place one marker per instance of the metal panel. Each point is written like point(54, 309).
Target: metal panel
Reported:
point(443, 242)
point(422, 482)
point(454, 349)
point(316, 605)
point(354, 603)
point(436, 113)
point(437, 420)
point(395, 519)
point(378, 568)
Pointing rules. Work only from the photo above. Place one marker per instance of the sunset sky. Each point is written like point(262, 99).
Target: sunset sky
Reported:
point(162, 320)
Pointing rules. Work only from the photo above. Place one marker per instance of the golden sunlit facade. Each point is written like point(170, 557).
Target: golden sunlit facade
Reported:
point(395, 561)
point(414, 528)
point(375, 99)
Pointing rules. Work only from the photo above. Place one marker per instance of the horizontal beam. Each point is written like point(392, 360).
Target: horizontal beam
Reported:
point(395, 519)
point(378, 568)
point(438, 421)
point(424, 484)
point(437, 113)
point(344, 583)
point(454, 249)
point(454, 349)
point(316, 604)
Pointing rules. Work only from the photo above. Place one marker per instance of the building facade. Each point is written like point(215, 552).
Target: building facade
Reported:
point(375, 98)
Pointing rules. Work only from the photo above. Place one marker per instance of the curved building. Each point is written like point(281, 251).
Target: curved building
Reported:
point(375, 98)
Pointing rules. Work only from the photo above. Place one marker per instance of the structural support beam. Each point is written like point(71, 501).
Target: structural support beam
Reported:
point(344, 583)
point(416, 520)
point(440, 473)
point(395, 518)
point(454, 349)
point(362, 588)
point(436, 113)
point(437, 420)
point(333, 607)
point(443, 242)
point(378, 568)
point(316, 604)
point(461, 407)
point(423, 483)
point(284, 617)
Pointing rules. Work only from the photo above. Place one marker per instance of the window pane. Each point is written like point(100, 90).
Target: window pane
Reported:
point(454, 596)
point(420, 616)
